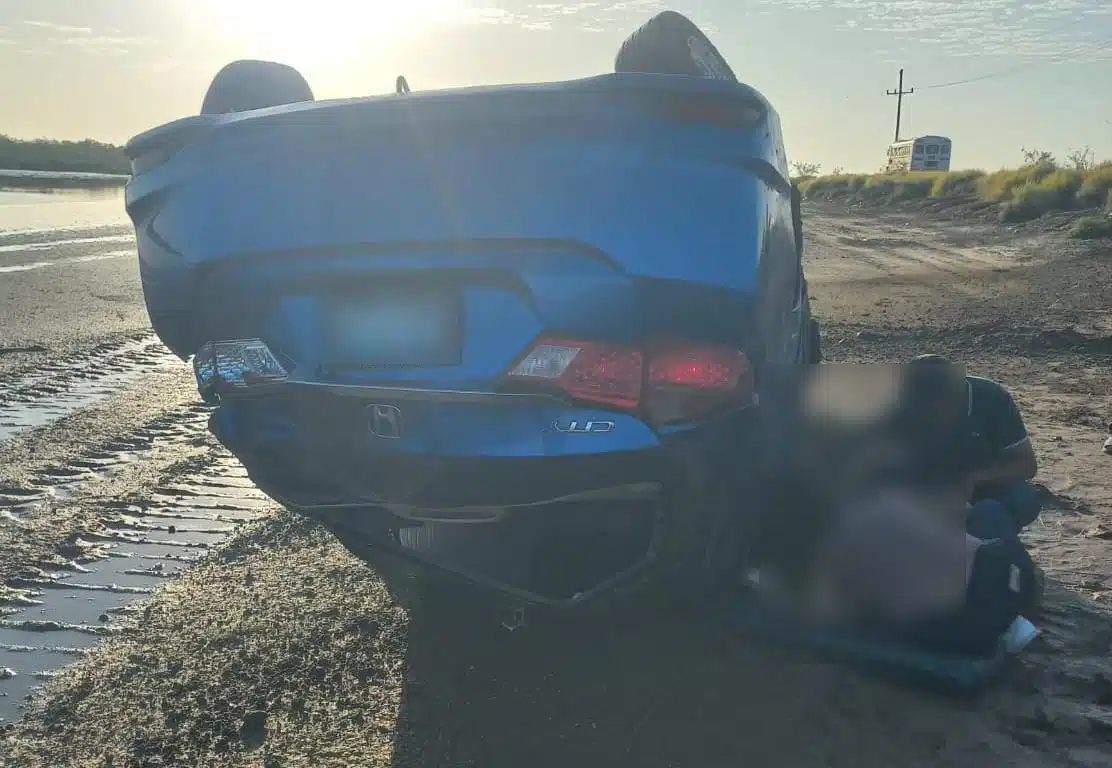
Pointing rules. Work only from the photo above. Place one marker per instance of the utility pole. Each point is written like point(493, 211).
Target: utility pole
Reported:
point(899, 93)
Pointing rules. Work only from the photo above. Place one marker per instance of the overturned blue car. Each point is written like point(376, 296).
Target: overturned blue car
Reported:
point(512, 334)
point(512, 338)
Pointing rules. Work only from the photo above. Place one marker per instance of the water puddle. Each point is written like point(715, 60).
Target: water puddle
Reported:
point(58, 390)
point(58, 617)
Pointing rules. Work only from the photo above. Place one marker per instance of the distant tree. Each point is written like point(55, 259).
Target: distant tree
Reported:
point(806, 169)
point(1081, 159)
point(838, 170)
point(86, 156)
point(1038, 157)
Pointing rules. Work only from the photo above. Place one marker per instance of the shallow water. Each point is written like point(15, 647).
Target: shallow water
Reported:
point(69, 612)
point(25, 214)
point(47, 395)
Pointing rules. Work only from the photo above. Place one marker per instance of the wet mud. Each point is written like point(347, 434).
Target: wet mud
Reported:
point(65, 604)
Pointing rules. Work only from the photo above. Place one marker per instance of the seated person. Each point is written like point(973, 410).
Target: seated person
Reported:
point(865, 523)
point(974, 421)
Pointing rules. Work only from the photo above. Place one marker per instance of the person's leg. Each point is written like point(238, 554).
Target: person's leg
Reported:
point(991, 519)
point(1023, 503)
point(1002, 587)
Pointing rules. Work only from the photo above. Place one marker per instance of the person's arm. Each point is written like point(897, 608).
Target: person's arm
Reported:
point(1015, 460)
point(1015, 464)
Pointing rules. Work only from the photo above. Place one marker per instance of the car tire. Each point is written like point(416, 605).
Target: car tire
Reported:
point(814, 342)
point(670, 44)
point(250, 84)
point(797, 219)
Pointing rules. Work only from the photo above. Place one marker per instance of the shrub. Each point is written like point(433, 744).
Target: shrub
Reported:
point(1023, 193)
point(1062, 186)
point(1001, 185)
point(1092, 228)
point(804, 169)
point(1053, 193)
point(1081, 159)
point(956, 183)
point(832, 187)
point(1015, 211)
point(1038, 157)
point(902, 186)
point(1096, 185)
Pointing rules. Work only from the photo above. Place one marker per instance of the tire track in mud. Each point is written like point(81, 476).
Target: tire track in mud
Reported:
point(59, 610)
point(53, 390)
point(52, 614)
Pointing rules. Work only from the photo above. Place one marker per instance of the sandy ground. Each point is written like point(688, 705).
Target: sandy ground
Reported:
point(281, 649)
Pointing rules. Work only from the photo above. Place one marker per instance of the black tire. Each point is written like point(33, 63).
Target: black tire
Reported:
point(814, 342)
point(670, 44)
point(797, 219)
point(250, 84)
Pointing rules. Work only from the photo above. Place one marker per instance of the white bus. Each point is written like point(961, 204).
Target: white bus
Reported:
point(923, 153)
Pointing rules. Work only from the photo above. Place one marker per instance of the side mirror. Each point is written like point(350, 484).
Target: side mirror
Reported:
point(797, 218)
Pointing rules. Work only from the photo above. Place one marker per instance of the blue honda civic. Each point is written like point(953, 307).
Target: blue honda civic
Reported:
point(508, 335)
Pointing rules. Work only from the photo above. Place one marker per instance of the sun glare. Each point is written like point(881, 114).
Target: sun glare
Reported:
point(309, 32)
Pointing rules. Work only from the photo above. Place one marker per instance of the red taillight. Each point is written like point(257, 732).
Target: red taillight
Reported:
point(600, 373)
point(668, 382)
point(702, 367)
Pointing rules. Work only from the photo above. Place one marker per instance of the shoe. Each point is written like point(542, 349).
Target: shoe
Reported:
point(1019, 635)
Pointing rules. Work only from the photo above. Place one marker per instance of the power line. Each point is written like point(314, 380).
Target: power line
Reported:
point(1083, 49)
point(1069, 24)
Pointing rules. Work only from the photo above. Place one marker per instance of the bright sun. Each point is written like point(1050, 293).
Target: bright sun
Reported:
point(307, 32)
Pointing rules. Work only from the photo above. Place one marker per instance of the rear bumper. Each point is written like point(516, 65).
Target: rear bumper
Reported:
point(562, 532)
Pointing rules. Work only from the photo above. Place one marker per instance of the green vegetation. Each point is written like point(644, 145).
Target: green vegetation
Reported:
point(1040, 186)
point(61, 156)
point(1092, 227)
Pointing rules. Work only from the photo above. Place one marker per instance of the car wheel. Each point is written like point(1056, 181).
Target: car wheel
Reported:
point(797, 219)
point(814, 342)
point(249, 84)
point(670, 44)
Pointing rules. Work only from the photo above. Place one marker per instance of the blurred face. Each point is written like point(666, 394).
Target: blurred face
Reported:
point(937, 392)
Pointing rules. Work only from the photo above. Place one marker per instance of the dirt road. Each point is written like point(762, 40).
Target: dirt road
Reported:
point(279, 649)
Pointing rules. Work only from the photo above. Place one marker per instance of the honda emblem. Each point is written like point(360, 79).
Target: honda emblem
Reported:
point(385, 421)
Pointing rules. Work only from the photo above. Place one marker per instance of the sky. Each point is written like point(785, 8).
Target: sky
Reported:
point(1041, 71)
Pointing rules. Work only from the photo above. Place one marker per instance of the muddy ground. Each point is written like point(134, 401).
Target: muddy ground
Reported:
point(278, 648)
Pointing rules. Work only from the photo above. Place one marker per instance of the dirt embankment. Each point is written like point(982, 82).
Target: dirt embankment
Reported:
point(1077, 200)
point(281, 649)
